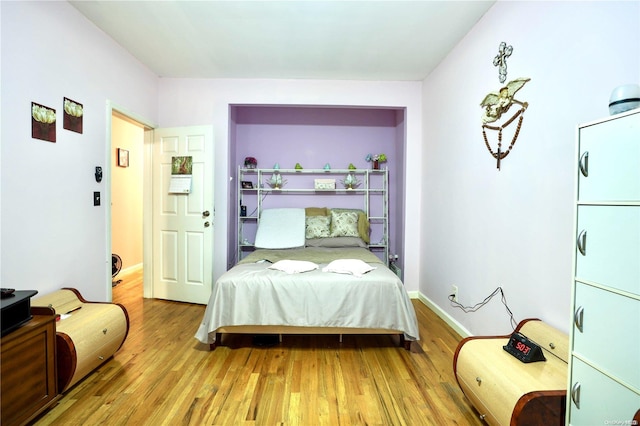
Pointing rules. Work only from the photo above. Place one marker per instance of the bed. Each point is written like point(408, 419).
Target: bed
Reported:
point(309, 290)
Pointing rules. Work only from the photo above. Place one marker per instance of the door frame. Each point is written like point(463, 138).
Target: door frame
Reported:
point(147, 253)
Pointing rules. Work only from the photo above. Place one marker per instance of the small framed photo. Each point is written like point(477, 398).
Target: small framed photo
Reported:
point(247, 185)
point(123, 157)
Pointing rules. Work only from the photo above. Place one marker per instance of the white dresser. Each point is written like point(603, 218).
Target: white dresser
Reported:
point(604, 366)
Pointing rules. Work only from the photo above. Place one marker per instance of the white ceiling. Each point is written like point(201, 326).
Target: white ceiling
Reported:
point(296, 39)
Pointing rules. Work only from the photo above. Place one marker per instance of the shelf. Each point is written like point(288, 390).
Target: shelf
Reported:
point(314, 171)
point(328, 191)
point(371, 195)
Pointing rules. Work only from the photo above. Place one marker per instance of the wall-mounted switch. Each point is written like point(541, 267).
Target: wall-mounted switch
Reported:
point(98, 174)
point(96, 198)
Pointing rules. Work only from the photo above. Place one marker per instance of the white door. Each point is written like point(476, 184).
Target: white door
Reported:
point(183, 222)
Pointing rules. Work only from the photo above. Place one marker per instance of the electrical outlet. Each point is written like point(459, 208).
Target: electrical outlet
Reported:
point(454, 292)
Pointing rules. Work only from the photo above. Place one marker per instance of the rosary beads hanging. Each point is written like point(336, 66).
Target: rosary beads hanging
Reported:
point(499, 102)
point(499, 155)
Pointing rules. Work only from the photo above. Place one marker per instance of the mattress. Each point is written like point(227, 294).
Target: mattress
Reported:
point(252, 294)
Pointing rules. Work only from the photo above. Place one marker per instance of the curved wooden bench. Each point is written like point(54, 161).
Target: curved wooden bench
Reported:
point(87, 333)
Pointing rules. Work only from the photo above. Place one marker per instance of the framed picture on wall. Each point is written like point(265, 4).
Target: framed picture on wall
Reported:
point(247, 185)
point(123, 157)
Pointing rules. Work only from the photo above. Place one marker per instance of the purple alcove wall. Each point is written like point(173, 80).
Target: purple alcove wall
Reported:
point(315, 136)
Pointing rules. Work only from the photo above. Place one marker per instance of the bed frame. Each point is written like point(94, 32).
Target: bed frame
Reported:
point(286, 329)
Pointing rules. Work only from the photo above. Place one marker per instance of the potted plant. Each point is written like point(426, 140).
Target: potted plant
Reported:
point(250, 163)
point(376, 160)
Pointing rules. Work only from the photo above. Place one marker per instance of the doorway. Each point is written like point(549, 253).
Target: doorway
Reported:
point(127, 194)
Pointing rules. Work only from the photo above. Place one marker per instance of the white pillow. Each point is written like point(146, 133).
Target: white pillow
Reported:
point(293, 266)
point(355, 267)
point(281, 229)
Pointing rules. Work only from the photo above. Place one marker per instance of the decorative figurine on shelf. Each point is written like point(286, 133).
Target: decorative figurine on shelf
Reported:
point(298, 166)
point(250, 163)
point(276, 166)
point(276, 182)
point(327, 167)
point(351, 166)
point(376, 160)
point(351, 181)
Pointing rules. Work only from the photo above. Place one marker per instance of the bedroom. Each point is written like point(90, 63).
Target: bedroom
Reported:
point(519, 219)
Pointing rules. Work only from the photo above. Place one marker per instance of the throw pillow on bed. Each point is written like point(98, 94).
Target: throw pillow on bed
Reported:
point(363, 222)
point(317, 227)
point(344, 224)
point(355, 267)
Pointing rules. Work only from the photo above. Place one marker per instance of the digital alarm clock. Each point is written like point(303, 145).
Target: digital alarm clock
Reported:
point(524, 349)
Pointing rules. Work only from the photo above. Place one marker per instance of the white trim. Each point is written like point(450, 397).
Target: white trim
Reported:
point(130, 269)
point(451, 322)
point(106, 198)
point(147, 214)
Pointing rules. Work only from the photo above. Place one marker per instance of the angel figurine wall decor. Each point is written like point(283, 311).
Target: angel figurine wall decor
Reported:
point(496, 104)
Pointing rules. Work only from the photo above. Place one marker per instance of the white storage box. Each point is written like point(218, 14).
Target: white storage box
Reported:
point(325, 183)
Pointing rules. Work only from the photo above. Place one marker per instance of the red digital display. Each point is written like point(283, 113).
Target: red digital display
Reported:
point(522, 348)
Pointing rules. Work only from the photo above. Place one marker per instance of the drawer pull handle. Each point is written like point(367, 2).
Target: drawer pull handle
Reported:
point(482, 416)
point(104, 331)
point(552, 346)
point(584, 164)
point(575, 394)
point(100, 357)
point(479, 380)
point(578, 319)
point(582, 242)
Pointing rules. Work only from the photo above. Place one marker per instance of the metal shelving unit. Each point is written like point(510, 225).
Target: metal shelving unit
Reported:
point(373, 189)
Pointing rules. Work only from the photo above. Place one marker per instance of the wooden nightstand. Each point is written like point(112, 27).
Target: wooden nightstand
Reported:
point(506, 391)
point(28, 367)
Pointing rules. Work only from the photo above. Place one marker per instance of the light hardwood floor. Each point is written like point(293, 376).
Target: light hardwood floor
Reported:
point(163, 376)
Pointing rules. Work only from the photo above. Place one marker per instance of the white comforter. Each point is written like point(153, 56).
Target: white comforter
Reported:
point(253, 294)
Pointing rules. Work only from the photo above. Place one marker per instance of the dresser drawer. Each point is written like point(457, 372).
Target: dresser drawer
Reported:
point(613, 150)
point(597, 399)
point(88, 335)
point(97, 332)
point(608, 246)
point(476, 380)
point(615, 349)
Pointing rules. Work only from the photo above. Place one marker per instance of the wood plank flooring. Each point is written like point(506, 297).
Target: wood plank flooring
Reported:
point(163, 376)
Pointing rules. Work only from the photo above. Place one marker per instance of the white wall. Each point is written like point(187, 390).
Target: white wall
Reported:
point(512, 228)
point(191, 102)
point(127, 194)
point(52, 235)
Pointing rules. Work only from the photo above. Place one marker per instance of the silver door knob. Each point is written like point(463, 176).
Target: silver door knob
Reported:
point(207, 224)
point(206, 213)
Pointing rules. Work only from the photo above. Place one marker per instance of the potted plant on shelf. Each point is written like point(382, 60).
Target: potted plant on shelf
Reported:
point(250, 163)
point(376, 160)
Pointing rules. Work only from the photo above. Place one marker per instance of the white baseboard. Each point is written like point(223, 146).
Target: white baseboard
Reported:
point(451, 322)
point(130, 269)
